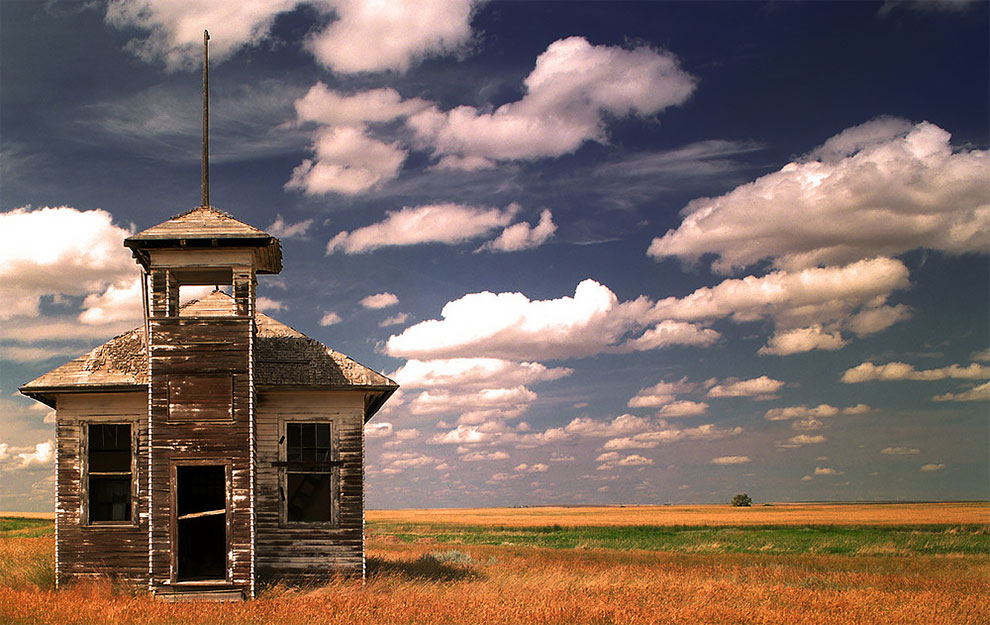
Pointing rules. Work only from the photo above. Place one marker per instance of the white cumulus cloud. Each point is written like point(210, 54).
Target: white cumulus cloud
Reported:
point(568, 95)
point(347, 161)
point(432, 223)
point(379, 300)
point(879, 189)
point(762, 387)
point(730, 460)
point(370, 36)
point(522, 236)
point(511, 326)
point(868, 372)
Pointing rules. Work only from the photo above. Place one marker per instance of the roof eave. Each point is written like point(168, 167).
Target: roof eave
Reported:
point(47, 394)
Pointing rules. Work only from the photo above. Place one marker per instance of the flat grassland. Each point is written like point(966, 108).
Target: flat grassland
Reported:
point(840, 564)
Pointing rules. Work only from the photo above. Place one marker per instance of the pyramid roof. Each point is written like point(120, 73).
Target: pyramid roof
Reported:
point(205, 226)
point(283, 358)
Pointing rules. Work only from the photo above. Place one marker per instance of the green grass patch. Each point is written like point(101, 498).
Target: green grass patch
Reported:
point(19, 527)
point(812, 539)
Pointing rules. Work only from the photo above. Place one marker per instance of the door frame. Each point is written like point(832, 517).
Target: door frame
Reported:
point(173, 529)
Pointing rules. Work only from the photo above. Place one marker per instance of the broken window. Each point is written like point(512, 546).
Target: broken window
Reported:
point(310, 473)
point(109, 465)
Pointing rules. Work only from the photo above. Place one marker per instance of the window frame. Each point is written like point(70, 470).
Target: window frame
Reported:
point(84, 499)
point(285, 468)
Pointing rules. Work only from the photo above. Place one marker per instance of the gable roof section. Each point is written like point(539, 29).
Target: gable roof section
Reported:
point(205, 226)
point(284, 357)
point(202, 222)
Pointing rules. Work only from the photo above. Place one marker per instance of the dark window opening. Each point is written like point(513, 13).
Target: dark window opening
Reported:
point(309, 473)
point(201, 519)
point(109, 472)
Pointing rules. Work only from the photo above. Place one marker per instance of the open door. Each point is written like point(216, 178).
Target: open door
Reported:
point(200, 523)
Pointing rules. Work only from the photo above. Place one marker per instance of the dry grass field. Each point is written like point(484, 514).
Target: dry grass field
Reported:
point(458, 567)
point(712, 515)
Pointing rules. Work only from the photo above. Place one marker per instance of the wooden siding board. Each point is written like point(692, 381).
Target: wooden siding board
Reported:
point(306, 552)
point(85, 551)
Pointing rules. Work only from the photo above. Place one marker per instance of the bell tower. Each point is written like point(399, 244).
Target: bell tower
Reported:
point(200, 495)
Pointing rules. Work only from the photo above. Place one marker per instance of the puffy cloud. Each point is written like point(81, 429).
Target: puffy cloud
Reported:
point(872, 320)
point(42, 455)
point(661, 393)
point(473, 373)
point(521, 236)
point(977, 393)
point(476, 406)
point(535, 468)
point(568, 95)
point(404, 31)
point(932, 467)
point(379, 300)
point(347, 161)
point(119, 303)
point(802, 439)
point(868, 372)
point(266, 303)
point(176, 27)
point(633, 460)
point(730, 460)
point(325, 106)
point(464, 434)
point(819, 411)
point(762, 387)
point(683, 408)
point(377, 36)
point(623, 424)
point(329, 318)
point(284, 230)
point(786, 342)
point(484, 456)
point(668, 333)
point(399, 460)
point(511, 326)
point(801, 302)
point(382, 429)
point(61, 250)
point(654, 438)
point(433, 223)
point(827, 471)
point(882, 188)
point(900, 451)
point(395, 320)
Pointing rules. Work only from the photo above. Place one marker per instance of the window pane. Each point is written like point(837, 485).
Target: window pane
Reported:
point(293, 451)
point(308, 497)
point(109, 498)
point(323, 442)
point(308, 442)
point(109, 448)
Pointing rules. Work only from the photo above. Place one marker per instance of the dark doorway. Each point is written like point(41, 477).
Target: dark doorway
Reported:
point(201, 522)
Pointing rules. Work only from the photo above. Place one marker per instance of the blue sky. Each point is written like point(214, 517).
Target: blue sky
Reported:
point(613, 252)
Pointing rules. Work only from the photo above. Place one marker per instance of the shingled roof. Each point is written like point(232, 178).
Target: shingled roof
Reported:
point(284, 358)
point(205, 226)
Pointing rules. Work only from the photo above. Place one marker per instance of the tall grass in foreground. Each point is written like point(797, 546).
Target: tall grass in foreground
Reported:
point(421, 583)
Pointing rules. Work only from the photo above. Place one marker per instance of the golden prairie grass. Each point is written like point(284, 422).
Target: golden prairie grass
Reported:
point(707, 515)
point(507, 585)
point(429, 583)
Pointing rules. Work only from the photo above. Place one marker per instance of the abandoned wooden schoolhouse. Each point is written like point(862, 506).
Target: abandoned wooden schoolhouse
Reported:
point(212, 447)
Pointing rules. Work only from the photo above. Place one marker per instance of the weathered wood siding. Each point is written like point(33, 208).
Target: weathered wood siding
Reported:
point(213, 427)
point(201, 409)
point(307, 552)
point(87, 551)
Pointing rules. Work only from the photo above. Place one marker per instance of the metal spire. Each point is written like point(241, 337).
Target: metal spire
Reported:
point(206, 118)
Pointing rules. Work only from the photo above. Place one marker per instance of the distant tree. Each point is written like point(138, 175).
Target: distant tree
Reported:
point(742, 500)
